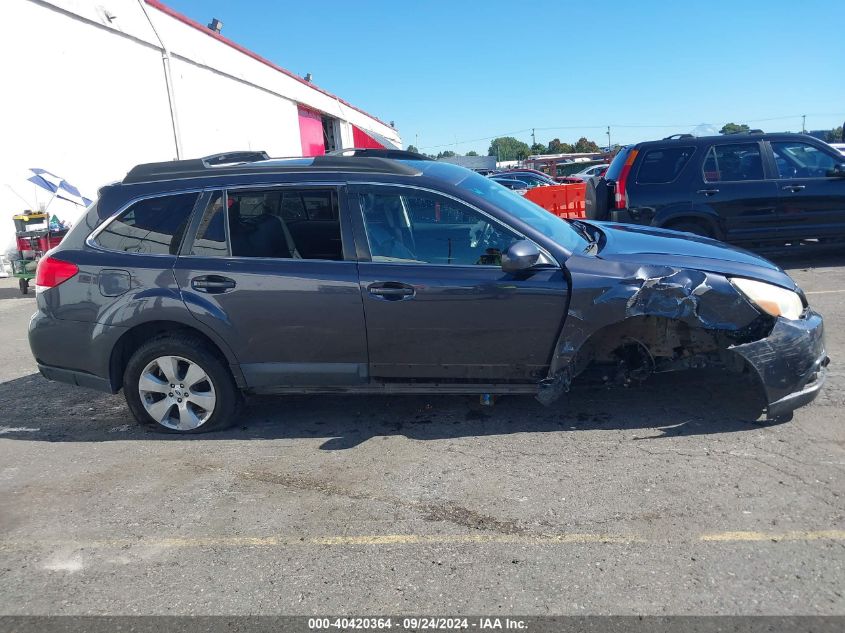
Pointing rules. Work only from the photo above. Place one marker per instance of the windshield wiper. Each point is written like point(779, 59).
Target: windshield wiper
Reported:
point(586, 233)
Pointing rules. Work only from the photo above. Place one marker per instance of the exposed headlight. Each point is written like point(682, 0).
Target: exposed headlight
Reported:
point(771, 299)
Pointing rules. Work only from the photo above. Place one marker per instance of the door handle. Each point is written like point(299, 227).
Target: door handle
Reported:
point(391, 291)
point(794, 188)
point(212, 284)
point(708, 192)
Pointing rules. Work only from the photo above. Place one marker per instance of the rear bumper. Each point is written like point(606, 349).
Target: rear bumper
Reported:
point(624, 216)
point(78, 378)
point(75, 352)
point(790, 363)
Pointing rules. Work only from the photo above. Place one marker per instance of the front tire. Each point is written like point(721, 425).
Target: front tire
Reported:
point(178, 384)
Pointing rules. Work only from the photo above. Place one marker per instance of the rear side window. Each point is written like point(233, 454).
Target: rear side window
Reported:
point(733, 162)
point(285, 224)
point(660, 166)
point(153, 226)
point(211, 233)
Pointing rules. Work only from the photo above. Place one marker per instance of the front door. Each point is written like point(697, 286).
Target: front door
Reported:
point(734, 186)
point(812, 203)
point(438, 305)
point(267, 271)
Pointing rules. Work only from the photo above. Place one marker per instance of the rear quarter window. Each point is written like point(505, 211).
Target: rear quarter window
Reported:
point(663, 165)
point(152, 226)
point(617, 163)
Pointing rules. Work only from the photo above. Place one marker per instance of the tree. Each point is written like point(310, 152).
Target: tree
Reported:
point(471, 152)
point(835, 135)
point(734, 128)
point(447, 154)
point(412, 148)
point(556, 147)
point(539, 148)
point(584, 146)
point(508, 148)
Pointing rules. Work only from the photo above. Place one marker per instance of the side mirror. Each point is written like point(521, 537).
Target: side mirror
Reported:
point(838, 171)
point(520, 256)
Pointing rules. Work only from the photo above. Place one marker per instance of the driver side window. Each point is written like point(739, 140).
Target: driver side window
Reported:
point(421, 228)
point(802, 160)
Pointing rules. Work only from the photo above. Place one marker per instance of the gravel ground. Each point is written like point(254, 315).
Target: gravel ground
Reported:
point(665, 499)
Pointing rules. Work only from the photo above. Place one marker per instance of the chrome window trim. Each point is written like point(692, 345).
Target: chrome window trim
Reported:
point(91, 239)
point(553, 262)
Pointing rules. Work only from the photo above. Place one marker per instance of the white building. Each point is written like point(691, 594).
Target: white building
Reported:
point(93, 87)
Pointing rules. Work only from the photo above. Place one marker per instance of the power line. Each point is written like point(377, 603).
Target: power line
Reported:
point(626, 126)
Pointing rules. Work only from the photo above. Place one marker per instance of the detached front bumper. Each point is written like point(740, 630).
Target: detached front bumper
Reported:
point(790, 363)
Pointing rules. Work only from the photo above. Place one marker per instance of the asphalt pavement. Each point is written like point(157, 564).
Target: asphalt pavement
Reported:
point(670, 498)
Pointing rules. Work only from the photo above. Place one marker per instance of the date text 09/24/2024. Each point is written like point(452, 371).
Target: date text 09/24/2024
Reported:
point(415, 623)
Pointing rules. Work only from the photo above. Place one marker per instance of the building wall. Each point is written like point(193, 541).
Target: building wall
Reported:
point(86, 97)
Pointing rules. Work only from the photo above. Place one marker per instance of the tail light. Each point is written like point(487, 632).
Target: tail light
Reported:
point(622, 181)
point(51, 272)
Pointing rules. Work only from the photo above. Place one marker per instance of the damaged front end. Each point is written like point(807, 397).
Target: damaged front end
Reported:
point(790, 363)
point(632, 323)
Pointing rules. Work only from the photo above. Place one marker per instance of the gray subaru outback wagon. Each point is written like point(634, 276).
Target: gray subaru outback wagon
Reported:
point(192, 282)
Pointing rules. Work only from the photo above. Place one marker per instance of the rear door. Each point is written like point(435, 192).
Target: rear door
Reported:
point(659, 190)
point(812, 203)
point(268, 271)
point(733, 184)
point(438, 305)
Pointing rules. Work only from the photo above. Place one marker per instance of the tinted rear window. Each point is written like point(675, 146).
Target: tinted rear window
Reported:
point(153, 226)
point(616, 164)
point(662, 165)
point(733, 162)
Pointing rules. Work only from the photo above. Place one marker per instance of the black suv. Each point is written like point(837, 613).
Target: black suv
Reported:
point(191, 282)
point(762, 191)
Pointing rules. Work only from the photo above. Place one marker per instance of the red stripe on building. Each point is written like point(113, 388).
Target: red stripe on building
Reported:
point(199, 27)
point(363, 140)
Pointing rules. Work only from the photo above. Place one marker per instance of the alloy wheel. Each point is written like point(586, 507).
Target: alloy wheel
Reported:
point(177, 393)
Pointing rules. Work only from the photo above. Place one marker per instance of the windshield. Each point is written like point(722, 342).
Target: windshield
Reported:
point(535, 216)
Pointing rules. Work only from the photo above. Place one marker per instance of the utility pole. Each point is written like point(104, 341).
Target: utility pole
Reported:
point(609, 145)
point(533, 140)
point(803, 124)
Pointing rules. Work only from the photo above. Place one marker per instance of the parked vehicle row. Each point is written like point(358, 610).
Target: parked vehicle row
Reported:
point(192, 282)
point(756, 190)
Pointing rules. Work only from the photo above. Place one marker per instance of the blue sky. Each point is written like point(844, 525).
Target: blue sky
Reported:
point(454, 73)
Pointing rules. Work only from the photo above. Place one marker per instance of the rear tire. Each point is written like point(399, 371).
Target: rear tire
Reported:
point(176, 383)
point(694, 227)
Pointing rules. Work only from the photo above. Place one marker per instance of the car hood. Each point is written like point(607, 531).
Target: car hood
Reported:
point(649, 245)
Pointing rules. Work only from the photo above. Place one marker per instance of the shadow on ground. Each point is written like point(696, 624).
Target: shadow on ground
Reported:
point(689, 403)
point(15, 293)
point(808, 259)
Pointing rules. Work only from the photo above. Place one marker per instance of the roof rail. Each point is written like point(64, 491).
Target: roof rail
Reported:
point(258, 162)
point(676, 136)
point(156, 171)
point(230, 158)
point(394, 154)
